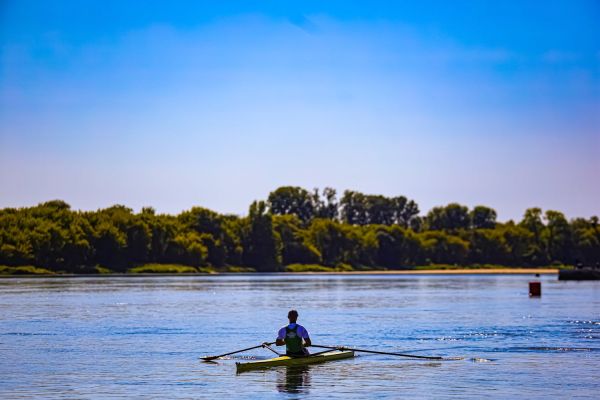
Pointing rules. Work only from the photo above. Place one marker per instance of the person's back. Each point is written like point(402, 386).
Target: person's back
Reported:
point(294, 336)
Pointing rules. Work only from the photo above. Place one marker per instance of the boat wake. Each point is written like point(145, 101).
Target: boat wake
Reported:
point(549, 349)
point(480, 360)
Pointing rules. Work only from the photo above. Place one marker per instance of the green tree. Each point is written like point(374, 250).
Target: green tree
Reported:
point(360, 209)
point(449, 218)
point(139, 240)
point(518, 240)
point(296, 246)
point(483, 217)
point(233, 227)
point(488, 246)
point(187, 248)
point(586, 241)
point(363, 246)
point(380, 210)
point(163, 231)
point(376, 231)
point(442, 248)
point(212, 229)
point(353, 207)
point(109, 242)
point(558, 237)
point(398, 247)
point(292, 200)
point(262, 245)
point(326, 205)
point(77, 250)
point(330, 240)
point(405, 211)
point(536, 252)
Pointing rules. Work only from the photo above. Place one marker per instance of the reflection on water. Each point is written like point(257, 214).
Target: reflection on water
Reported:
point(293, 379)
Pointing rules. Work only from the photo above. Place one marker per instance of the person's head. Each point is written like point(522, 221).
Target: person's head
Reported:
point(293, 315)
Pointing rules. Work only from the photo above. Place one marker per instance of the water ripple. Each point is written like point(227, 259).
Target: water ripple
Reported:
point(141, 338)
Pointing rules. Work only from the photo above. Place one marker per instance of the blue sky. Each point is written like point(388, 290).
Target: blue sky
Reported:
point(175, 104)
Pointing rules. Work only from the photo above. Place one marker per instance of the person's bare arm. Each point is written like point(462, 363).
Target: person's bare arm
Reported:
point(307, 342)
point(279, 342)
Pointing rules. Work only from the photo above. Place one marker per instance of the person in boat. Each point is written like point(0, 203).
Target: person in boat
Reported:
point(294, 336)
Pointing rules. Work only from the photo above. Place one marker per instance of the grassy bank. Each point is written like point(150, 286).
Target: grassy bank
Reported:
point(424, 269)
point(446, 267)
point(169, 269)
point(186, 269)
point(317, 268)
point(174, 269)
point(24, 270)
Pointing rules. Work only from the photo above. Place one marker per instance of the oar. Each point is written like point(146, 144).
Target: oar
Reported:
point(378, 352)
point(268, 347)
point(209, 358)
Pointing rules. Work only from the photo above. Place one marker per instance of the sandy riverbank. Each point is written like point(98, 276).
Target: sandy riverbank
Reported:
point(505, 271)
point(463, 271)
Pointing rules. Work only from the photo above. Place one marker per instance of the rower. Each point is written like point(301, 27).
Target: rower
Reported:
point(294, 336)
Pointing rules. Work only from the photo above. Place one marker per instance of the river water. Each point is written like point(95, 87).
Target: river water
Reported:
point(111, 337)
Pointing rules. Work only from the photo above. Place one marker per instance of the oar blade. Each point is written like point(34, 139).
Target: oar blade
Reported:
point(210, 358)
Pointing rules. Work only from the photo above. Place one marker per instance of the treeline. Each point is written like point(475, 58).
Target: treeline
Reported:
point(293, 226)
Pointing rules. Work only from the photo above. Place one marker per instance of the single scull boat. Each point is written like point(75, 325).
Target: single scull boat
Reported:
point(294, 361)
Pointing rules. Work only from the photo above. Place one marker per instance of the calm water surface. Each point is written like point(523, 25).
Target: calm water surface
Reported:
point(142, 336)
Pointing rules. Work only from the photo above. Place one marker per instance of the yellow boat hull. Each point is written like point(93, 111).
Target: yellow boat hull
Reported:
point(294, 361)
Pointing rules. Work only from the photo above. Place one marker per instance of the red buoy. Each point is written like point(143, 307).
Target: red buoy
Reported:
point(535, 289)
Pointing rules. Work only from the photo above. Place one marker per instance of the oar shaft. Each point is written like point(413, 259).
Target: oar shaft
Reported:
point(234, 352)
point(268, 347)
point(378, 352)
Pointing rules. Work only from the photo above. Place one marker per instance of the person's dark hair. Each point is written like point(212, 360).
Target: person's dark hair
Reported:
point(293, 314)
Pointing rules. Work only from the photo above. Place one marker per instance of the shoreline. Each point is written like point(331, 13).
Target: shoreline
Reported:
point(461, 271)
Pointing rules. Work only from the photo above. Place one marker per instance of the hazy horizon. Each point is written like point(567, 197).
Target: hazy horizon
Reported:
point(181, 104)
